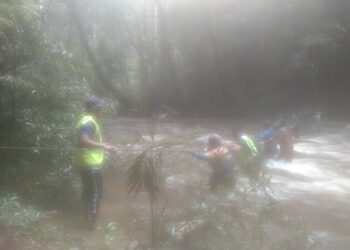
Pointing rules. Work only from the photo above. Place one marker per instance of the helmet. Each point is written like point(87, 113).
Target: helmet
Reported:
point(93, 102)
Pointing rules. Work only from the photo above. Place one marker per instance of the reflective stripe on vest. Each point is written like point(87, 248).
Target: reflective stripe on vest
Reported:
point(90, 158)
point(250, 144)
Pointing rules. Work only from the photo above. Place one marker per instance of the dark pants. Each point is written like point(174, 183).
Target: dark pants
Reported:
point(222, 178)
point(286, 153)
point(253, 167)
point(270, 150)
point(92, 193)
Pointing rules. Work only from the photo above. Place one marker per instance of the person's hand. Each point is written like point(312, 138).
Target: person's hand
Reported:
point(108, 148)
point(187, 150)
point(236, 148)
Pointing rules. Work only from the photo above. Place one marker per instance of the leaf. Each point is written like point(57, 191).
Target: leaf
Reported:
point(143, 172)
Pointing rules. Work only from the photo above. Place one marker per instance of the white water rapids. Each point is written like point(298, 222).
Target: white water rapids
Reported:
point(315, 186)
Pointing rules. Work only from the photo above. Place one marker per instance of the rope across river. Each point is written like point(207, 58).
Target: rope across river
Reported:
point(58, 149)
point(33, 148)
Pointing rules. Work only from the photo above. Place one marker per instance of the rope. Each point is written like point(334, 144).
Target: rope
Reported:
point(47, 149)
point(61, 149)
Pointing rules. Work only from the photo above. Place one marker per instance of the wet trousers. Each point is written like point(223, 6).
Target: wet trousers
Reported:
point(222, 178)
point(92, 193)
point(269, 150)
point(252, 167)
point(286, 153)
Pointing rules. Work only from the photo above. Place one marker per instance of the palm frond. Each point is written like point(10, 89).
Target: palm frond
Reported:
point(144, 173)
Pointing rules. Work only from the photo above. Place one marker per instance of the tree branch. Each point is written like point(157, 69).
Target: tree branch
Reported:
point(99, 71)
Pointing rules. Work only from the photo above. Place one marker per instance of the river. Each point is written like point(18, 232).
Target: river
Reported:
point(315, 186)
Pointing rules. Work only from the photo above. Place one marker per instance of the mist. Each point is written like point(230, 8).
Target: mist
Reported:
point(119, 120)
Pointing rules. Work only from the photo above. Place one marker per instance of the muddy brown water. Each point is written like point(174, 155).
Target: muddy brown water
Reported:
point(315, 186)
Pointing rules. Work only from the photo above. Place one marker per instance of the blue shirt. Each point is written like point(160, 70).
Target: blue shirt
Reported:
point(87, 129)
point(219, 158)
point(268, 134)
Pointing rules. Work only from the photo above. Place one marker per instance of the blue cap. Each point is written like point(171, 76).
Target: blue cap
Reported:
point(94, 102)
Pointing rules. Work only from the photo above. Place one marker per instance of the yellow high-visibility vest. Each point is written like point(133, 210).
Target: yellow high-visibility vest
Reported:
point(250, 144)
point(90, 157)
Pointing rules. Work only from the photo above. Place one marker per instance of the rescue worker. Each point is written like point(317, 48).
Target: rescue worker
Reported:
point(220, 160)
point(267, 140)
point(90, 158)
point(249, 156)
point(286, 142)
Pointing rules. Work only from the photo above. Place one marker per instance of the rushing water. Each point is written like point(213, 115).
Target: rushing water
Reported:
point(315, 186)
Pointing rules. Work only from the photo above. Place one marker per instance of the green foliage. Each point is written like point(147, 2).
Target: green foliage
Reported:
point(15, 216)
point(27, 224)
point(245, 222)
point(41, 94)
point(110, 234)
point(143, 173)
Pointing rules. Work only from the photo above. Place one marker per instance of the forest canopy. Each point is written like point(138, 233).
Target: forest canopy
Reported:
point(226, 57)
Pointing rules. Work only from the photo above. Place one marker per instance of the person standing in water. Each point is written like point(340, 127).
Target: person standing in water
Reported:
point(286, 142)
point(249, 156)
point(90, 158)
point(267, 140)
point(221, 162)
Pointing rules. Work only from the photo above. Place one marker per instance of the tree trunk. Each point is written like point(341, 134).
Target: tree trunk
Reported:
point(168, 90)
point(224, 102)
point(99, 71)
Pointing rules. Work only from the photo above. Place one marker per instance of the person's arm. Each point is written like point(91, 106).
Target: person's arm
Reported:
point(86, 141)
point(201, 156)
point(204, 156)
point(235, 148)
point(266, 136)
